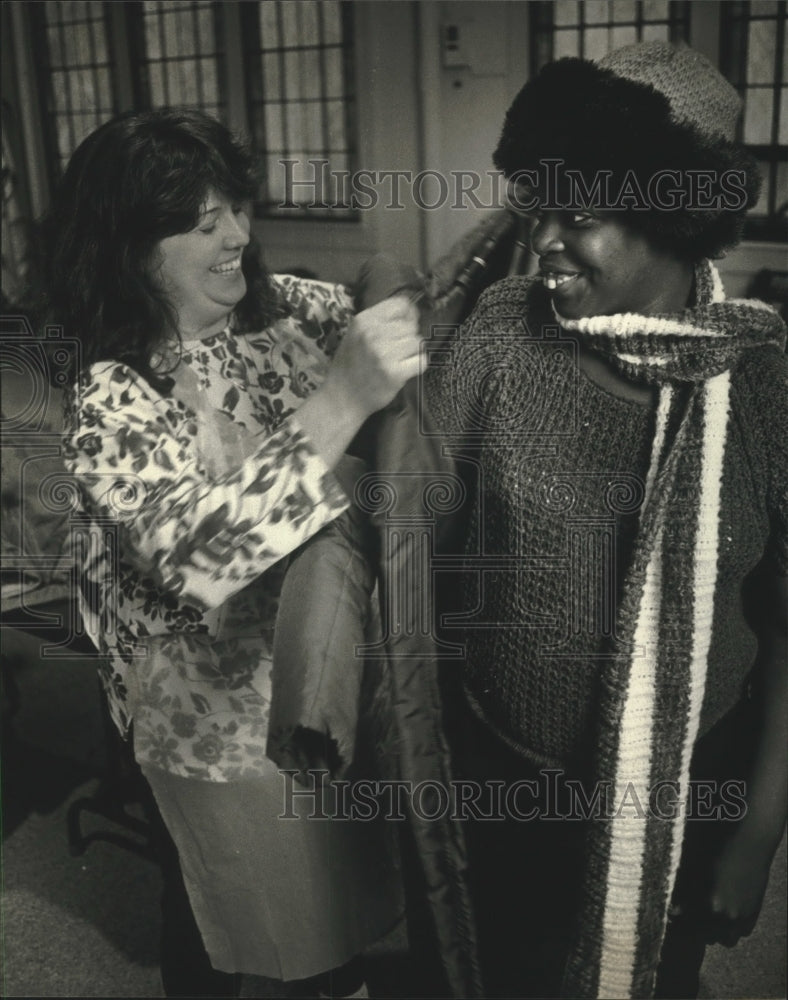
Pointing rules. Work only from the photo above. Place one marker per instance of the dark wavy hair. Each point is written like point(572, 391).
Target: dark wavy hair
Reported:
point(137, 179)
point(595, 121)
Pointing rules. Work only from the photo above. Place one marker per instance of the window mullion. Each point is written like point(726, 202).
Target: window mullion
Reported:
point(704, 28)
point(779, 74)
point(120, 68)
point(350, 83)
point(323, 79)
point(199, 56)
point(237, 116)
point(283, 90)
point(30, 97)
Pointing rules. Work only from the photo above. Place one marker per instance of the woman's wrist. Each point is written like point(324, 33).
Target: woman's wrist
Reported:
point(762, 829)
point(331, 418)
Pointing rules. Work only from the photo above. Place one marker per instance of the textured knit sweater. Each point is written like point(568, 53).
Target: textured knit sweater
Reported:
point(560, 467)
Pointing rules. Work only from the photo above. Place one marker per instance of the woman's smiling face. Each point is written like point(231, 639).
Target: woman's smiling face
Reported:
point(200, 270)
point(592, 264)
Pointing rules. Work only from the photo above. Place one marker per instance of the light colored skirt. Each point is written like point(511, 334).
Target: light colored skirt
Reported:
point(280, 898)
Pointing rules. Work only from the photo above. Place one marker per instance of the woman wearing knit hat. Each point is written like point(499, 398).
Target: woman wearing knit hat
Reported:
point(624, 605)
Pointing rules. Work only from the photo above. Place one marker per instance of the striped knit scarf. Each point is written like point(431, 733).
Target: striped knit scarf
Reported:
point(653, 684)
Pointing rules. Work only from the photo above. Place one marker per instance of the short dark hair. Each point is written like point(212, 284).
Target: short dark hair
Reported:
point(137, 179)
point(595, 121)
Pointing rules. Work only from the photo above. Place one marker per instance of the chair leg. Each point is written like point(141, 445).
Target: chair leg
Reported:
point(110, 802)
point(122, 787)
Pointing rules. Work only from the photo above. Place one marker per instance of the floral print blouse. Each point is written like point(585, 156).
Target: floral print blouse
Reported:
point(190, 504)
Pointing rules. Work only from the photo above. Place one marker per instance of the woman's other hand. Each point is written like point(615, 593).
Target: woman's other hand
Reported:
point(377, 356)
point(741, 871)
point(738, 884)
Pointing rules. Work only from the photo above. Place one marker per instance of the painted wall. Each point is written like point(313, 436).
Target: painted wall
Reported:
point(740, 266)
point(465, 92)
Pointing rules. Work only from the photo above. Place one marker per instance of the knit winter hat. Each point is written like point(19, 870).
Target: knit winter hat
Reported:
point(697, 92)
point(656, 123)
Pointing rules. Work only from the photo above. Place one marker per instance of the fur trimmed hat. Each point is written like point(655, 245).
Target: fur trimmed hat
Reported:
point(647, 112)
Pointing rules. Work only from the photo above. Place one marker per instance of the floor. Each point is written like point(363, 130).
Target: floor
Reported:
point(87, 926)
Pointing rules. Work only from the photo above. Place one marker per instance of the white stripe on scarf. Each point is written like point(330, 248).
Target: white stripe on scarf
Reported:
point(633, 766)
point(716, 414)
point(633, 769)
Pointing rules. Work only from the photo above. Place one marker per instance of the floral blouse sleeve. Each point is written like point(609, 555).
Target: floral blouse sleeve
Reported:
point(199, 537)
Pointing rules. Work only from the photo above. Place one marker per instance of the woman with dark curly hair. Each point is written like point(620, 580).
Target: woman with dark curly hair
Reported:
point(624, 598)
point(210, 409)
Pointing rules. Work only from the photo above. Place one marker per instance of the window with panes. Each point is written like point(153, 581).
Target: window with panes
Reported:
point(74, 56)
point(301, 103)
point(178, 55)
point(754, 57)
point(298, 70)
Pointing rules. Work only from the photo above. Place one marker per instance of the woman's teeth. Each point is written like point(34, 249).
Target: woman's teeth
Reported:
point(232, 265)
point(556, 280)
